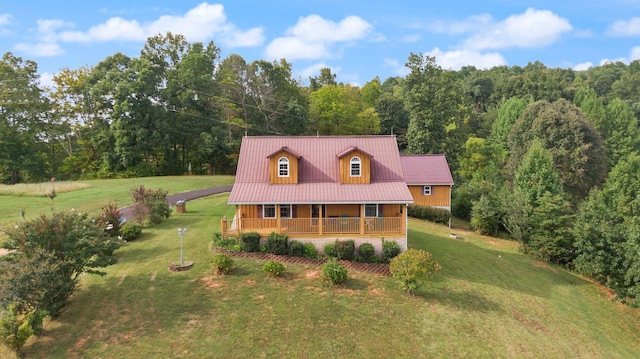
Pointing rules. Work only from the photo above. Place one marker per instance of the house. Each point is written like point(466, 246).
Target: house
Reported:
point(319, 189)
point(429, 179)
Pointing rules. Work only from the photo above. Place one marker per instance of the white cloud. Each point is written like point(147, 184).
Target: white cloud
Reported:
point(411, 38)
point(45, 49)
point(5, 19)
point(201, 23)
point(533, 28)
point(314, 38)
point(583, 66)
point(457, 59)
point(625, 28)
point(635, 53)
point(46, 80)
point(398, 68)
point(474, 23)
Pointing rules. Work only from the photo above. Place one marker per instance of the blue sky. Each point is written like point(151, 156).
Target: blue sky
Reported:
point(358, 40)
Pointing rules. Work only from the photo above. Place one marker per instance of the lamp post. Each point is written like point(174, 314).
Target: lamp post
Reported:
point(181, 232)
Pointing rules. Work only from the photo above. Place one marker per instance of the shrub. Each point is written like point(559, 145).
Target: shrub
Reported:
point(366, 253)
point(309, 250)
point(437, 215)
point(277, 243)
point(150, 206)
point(232, 243)
point(390, 249)
point(411, 266)
point(130, 231)
point(110, 220)
point(222, 264)
point(251, 241)
point(296, 249)
point(345, 249)
point(334, 273)
point(273, 269)
point(329, 250)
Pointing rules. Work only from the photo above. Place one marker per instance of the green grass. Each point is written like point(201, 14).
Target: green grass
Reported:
point(488, 301)
point(90, 196)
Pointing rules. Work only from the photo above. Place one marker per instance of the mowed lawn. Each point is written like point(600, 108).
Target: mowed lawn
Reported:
point(488, 301)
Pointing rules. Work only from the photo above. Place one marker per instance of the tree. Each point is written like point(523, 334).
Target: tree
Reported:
point(51, 253)
point(607, 231)
point(326, 77)
point(338, 110)
point(575, 145)
point(437, 111)
point(508, 112)
point(23, 112)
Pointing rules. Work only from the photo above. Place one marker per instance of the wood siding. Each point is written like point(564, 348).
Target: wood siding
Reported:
point(293, 169)
point(345, 169)
point(440, 196)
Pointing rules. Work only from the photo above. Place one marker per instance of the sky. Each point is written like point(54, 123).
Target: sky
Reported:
point(357, 40)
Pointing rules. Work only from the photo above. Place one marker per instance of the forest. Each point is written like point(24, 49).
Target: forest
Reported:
point(548, 156)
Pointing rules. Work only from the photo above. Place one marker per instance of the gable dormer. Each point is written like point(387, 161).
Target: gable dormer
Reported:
point(355, 166)
point(283, 166)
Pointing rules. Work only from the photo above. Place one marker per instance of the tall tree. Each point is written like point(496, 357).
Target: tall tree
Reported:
point(338, 110)
point(437, 112)
point(574, 143)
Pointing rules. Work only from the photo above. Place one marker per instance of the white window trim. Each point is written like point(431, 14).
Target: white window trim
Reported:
point(290, 210)
point(371, 204)
point(355, 160)
point(286, 163)
point(427, 190)
point(264, 210)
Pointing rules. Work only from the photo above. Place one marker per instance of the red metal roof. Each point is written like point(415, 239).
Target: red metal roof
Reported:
point(319, 172)
point(426, 170)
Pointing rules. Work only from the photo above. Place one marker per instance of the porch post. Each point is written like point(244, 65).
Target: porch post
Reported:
point(320, 221)
point(238, 219)
point(278, 226)
point(362, 218)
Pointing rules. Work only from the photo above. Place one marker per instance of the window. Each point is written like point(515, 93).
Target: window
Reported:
point(371, 210)
point(269, 211)
point(427, 191)
point(356, 164)
point(285, 211)
point(283, 167)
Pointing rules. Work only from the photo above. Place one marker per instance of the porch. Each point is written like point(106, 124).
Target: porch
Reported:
point(314, 227)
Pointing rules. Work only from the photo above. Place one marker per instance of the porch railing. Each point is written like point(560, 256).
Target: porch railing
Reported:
point(309, 226)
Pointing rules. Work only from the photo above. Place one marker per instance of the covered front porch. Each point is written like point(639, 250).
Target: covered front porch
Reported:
point(327, 220)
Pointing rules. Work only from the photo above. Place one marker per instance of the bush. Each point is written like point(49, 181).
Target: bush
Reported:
point(251, 241)
point(334, 273)
point(110, 219)
point(366, 253)
point(329, 250)
point(222, 264)
point(437, 215)
point(296, 249)
point(231, 243)
point(273, 269)
point(390, 249)
point(345, 249)
point(309, 250)
point(411, 266)
point(150, 206)
point(130, 231)
point(277, 243)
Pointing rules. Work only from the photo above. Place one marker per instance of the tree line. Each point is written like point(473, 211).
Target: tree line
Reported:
point(548, 155)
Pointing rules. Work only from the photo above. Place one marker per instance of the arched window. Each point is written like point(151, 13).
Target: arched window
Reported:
point(283, 167)
point(356, 166)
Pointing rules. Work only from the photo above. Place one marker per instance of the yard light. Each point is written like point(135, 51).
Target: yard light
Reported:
point(182, 232)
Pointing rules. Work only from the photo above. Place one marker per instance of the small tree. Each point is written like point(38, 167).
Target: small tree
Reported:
point(411, 266)
point(150, 205)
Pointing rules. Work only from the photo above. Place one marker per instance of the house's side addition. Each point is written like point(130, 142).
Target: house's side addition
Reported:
point(429, 180)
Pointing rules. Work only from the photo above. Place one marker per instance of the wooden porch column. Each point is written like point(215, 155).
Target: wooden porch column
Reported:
point(362, 218)
point(404, 219)
point(238, 219)
point(278, 225)
point(320, 221)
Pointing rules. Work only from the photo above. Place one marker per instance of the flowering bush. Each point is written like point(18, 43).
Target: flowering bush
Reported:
point(411, 266)
point(150, 205)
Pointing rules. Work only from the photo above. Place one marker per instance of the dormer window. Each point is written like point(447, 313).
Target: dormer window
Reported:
point(356, 166)
point(283, 167)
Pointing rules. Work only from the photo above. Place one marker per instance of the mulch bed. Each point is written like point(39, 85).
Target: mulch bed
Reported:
point(375, 268)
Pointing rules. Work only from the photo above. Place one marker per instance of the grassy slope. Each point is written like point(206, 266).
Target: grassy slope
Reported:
point(98, 194)
point(488, 301)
